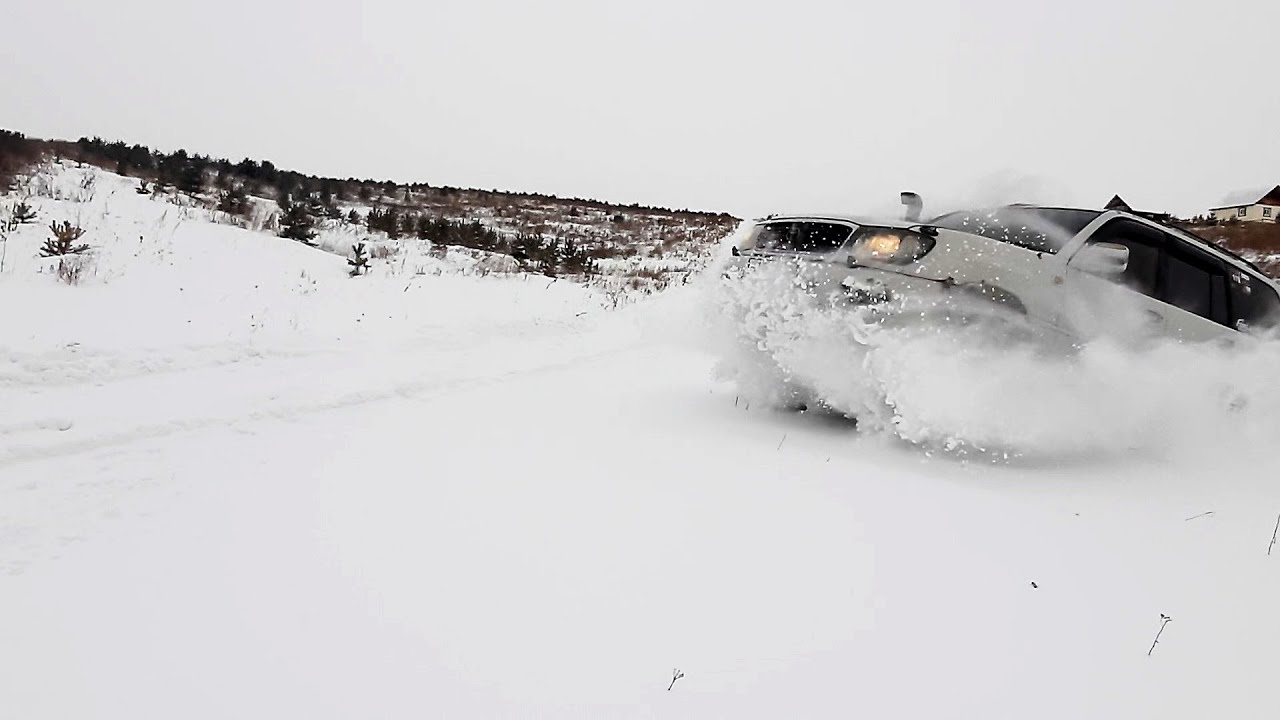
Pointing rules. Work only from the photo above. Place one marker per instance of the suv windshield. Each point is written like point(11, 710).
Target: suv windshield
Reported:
point(1033, 228)
point(804, 236)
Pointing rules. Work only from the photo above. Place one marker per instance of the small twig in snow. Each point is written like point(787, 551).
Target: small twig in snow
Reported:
point(1273, 536)
point(1203, 514)
point(784, 439)
point(1164, 620)
point(675, 675)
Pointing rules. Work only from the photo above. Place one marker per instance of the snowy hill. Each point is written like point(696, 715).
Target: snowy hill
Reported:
point(235, 482)
point(622, 249)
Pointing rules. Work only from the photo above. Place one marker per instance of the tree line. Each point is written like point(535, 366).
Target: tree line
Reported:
point(194, 173)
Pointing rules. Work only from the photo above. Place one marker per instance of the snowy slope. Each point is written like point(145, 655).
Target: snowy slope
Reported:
point(236, 483)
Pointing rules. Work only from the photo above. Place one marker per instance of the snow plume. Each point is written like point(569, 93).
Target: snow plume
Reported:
point(786, 343)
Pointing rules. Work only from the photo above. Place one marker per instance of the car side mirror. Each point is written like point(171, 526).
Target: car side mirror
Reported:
point(1103, 259)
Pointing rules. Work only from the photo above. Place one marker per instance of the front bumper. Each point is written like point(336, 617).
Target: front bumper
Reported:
point(902, 301)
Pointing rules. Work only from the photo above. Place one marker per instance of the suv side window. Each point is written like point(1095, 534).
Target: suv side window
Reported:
point(1194, 281)
point(1253, 301)
point(1167, 268)
point(802, 236)
point(1144, 243)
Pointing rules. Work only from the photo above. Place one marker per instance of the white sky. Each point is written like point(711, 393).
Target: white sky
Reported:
point(746, 107)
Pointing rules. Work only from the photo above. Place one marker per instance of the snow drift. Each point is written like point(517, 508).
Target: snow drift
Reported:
point(962, 389)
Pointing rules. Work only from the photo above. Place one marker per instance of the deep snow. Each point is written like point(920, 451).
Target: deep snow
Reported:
point(236, 483)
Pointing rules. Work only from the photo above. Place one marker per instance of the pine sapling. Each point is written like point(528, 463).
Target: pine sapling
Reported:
point(64, 240)
point(360, 262)
point(296, 222)
point(23, 213)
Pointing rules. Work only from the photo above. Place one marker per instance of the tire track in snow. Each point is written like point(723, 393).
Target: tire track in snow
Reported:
point(285, 410)
point(28, 370)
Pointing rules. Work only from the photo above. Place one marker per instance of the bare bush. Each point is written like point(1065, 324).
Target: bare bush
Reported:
point(88, 183)
point(5, 229)
point(382, 252)
point(70, 270)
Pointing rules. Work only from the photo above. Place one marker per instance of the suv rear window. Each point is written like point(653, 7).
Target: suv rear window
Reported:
point(800, 236)
point(1194, 282)
point(1034, 228)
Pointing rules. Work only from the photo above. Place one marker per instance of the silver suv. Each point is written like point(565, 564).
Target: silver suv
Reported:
point(1072, 273)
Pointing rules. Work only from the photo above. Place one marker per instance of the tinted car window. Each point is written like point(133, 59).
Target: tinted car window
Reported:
point(1033, 228)
point(1144, 245)
point(801, 236)
point(1254, 301)
point(1195, 283)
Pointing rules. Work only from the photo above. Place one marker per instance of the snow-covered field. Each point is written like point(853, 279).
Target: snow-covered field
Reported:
point(235, 483)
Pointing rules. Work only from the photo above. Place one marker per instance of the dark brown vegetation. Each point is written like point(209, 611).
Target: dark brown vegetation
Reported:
point(1256, 241)
point(17, 153)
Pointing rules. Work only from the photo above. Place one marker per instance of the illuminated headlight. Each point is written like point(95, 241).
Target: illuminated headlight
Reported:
point(882, 246)
point(890, 245)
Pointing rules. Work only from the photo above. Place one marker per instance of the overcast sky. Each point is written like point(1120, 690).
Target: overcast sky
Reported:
point(747, 107)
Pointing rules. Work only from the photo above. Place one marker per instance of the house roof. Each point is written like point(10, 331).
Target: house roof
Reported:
point(1254, 197)
point(1117, 203)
